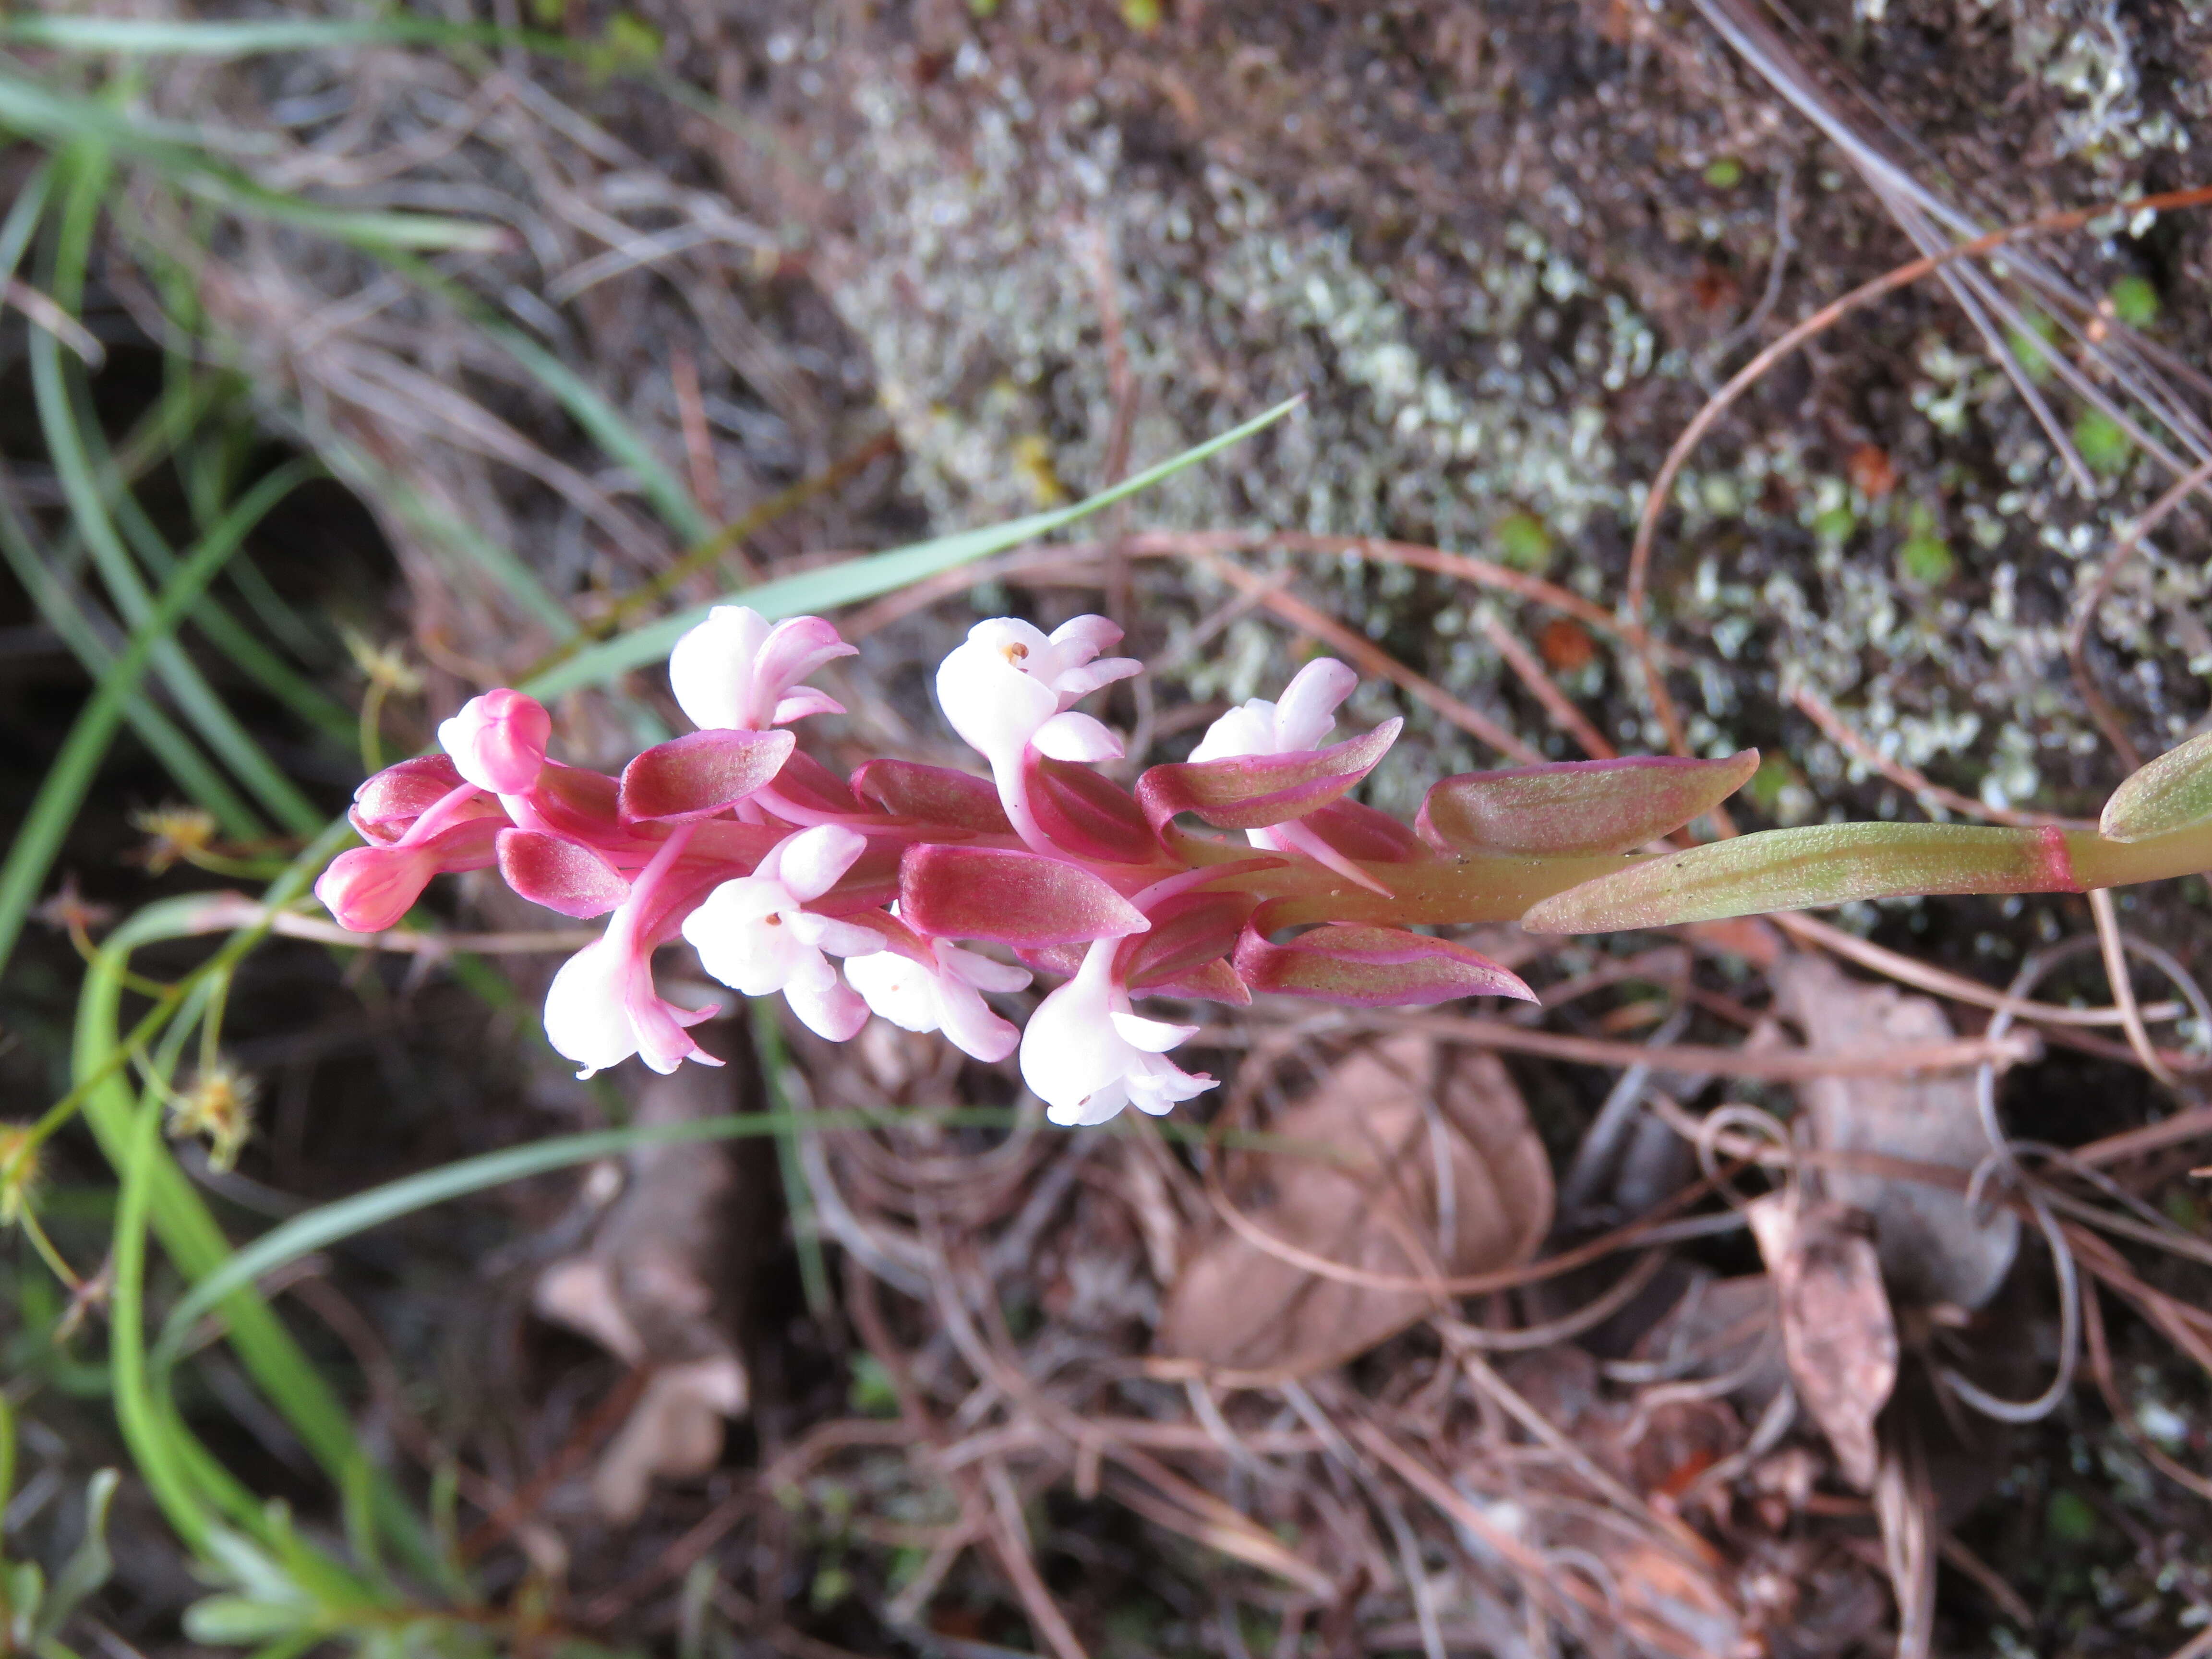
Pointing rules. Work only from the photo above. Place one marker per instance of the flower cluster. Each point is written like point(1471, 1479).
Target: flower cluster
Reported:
point(862, 895)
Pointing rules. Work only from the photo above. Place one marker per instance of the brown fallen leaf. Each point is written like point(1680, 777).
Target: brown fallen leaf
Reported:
point(1933, 1249)
point(1375, 1204)
point(658, 1287)
point(1837, 1334)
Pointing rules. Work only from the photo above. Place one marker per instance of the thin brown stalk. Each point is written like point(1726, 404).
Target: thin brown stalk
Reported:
point(2093, 601)
point(1662, 486)
point(1912, 780)
point(1541, 686)
point(2115, 950)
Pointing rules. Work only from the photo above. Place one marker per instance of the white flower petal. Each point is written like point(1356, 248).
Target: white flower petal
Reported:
point(1072, 736)
point(586, 1017)
point(1307, 709)
point(839, 939)
point(970, 1025)
point(1071, 684)
point(980, 971)
point(1249, 730)
point(1153, 1037)
point(1081, 638)
point(1101, 1107)
point(826, 1005)
point(814, 861)
point(711, 669)
point(740, 936)
point(897, 988)
point(989, 699)
point(1156, 1087)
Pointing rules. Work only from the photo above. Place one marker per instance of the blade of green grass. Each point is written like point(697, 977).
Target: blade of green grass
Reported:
point(865, 579)
point(181, 1219)
point(58, 606)
point(253, 36)
point(62, 118)
point(791, 1164)
point(586, 407)
point(64, 788)
point(224, 631)
point(329, 1224)
point(84, 185)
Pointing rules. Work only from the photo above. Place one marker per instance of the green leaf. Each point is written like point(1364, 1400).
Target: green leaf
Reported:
point(89, 1564)
point(2170, 792)
point(62, 790)
point(1926, 559)
point(865, 579)
point(238, 1621)
point(1818, 865)
point(1524, 543)
point(178, 153)
point(87, 180)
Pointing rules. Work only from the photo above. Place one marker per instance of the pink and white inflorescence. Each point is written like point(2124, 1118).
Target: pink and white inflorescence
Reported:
point(867, 895)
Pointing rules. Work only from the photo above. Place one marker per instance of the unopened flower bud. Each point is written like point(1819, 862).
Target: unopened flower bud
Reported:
point(498, 741)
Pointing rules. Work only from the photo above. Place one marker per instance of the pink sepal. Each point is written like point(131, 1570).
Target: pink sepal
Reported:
point(561, 875)
point(1359, 966)
point(1009, 897)
point(1575, 807)
point(1085, 814)
point(1252, 792)
point(369, 889)
point(700, 774)
point(933, 795)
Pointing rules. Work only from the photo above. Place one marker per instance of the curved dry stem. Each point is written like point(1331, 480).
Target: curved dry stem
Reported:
point(2085, 615)
point(1639, 558)
point(2123, 991)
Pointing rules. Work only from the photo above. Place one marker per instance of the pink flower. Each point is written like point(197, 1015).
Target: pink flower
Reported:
point(602, 1007)
point(944, 993)
point(756, 936)
point(1087, 1053)
point(498, 741)
point(1298, 724)
point(733, 672)
point(370, 888)
point(1010, 687)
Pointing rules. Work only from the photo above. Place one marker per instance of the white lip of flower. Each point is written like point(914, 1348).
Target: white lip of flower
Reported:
point(947, 997)
point(1087, 1055)
point(753, 934)
point(735, 672)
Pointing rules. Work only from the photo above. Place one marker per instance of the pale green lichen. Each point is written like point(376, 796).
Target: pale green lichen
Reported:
point(973, 288)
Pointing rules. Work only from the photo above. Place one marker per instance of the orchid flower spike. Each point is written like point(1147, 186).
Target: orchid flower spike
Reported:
point(733, 672)
point(498, 741)
point(1087, 1053)
point(944, 993)
point(1010, 687)
point(756, 936)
